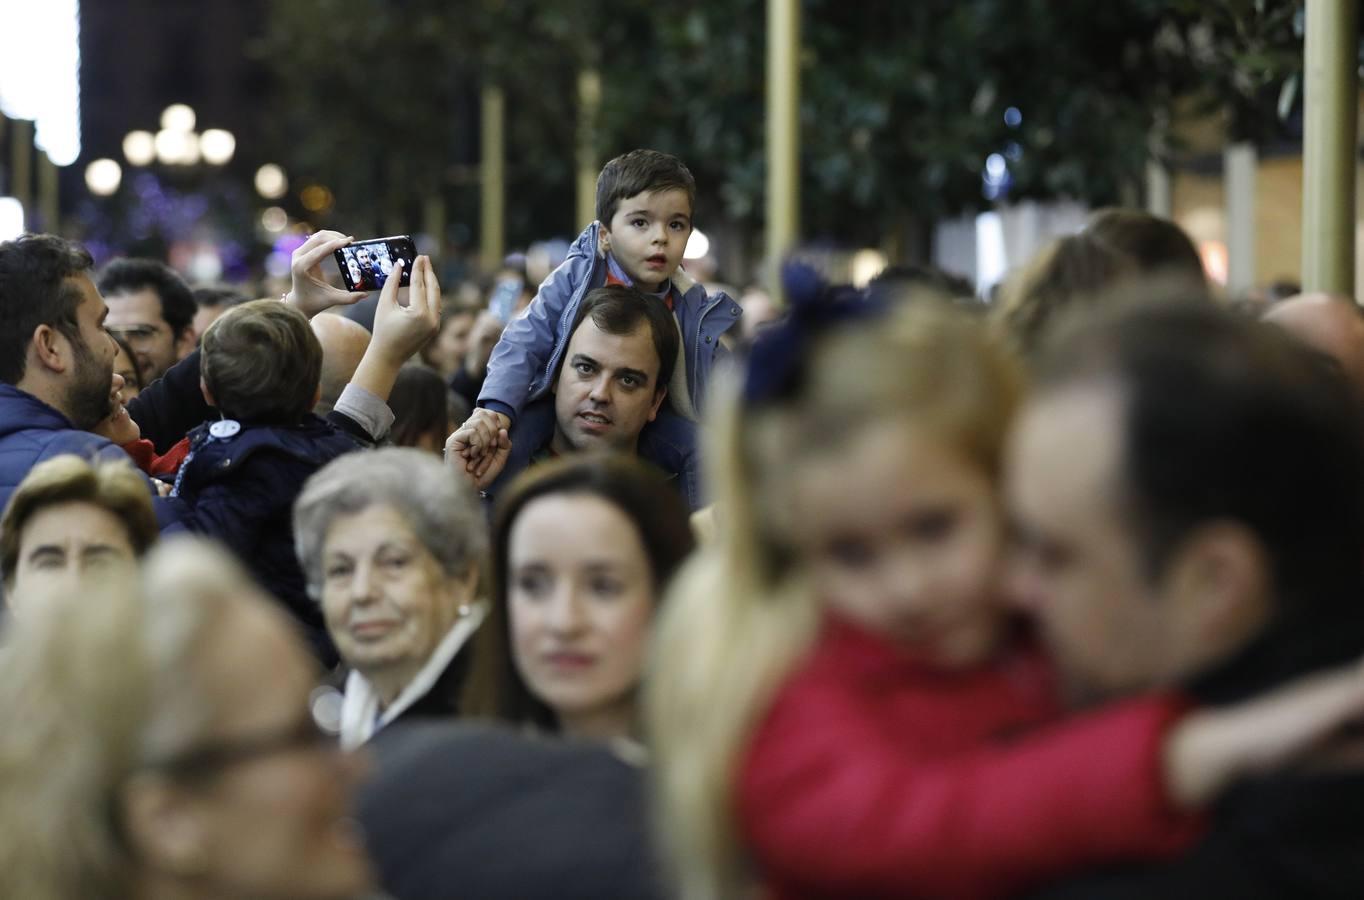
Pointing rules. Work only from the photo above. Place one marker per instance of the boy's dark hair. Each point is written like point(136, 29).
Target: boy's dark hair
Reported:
point(1228, 419)
point(34, 291)
point(639, 171)
point(419, 405)
point(124, 276)
point(619, 310)
point(214, 296)
point(1156, 245)
point(262, 363)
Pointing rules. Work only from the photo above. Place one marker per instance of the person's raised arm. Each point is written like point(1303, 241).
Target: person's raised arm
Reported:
point(399, 330)
point(310, 293)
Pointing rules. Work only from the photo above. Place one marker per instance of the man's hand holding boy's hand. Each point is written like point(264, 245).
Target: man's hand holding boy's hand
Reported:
point(479, 433)
point(483, 471)
point(311, 294)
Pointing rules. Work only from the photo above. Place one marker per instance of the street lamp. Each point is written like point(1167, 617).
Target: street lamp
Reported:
point(270, 182)
point(139, 148)
point(174, 147)
point(178, 117)
point(217, 146)
point(103, 177)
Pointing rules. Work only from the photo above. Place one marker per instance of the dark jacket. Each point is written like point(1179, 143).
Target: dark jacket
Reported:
point(240, 488)
point(457, 810)
point(1291, 836)
point(32, 432)
point(169, 407)
point(669, 442)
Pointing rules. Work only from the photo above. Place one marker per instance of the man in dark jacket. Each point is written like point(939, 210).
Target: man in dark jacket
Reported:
point(1190, 501)
point(56, 363)
point(464, 811)
point(612, 379)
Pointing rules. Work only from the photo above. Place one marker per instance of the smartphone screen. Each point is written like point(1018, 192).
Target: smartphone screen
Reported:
point(366, 265)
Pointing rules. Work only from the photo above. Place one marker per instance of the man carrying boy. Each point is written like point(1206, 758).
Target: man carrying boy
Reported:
point(611, 383)
point(644, 218)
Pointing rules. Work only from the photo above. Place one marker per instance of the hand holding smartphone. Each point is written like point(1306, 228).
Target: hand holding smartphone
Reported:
point(365, 265)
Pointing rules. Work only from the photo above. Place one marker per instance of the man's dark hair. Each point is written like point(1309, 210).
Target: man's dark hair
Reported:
point(912, 281)
point(1228, 419)
point(639, 171)
point(262, 363)
point(125, 276)
point(34, 291)
point(619, 310)
point(1155, 245)
point(214, 296)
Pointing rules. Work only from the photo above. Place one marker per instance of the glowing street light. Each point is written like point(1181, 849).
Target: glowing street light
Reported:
point(274, 220)
point(270, 182)
point(217, 146)
point(11, 218)
point(139, 148)
point(103, 177)
point(177, 148)
point(698, 245)
point(178, 117)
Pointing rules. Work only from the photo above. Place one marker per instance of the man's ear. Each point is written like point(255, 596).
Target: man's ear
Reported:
point(1220, 587)
point(50, 349)
point(184, 344)
point(161, 826)
point(659, 396)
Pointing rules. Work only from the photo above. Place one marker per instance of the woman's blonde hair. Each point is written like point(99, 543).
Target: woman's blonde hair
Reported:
point(94, 685)
point(112, 485)
point(740, 614)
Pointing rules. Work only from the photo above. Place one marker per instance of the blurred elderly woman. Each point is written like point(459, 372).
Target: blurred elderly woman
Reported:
point(71, 517)
point(165, 744)
point(390, 542)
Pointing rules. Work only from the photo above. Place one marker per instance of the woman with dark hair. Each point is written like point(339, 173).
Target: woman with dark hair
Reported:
point(581, 552)
point(421, 409)
point(125, 364)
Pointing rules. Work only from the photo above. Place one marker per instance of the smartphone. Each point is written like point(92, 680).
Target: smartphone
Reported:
point(365, 265)
point(502, 300)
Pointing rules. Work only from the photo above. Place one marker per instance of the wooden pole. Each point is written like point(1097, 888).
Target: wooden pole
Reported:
point(589, 109)
point(783, 137)
point(1332, 88)
point(493, 198)
point(21, 165)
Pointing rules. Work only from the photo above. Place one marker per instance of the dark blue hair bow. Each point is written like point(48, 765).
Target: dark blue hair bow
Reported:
point(776, 362)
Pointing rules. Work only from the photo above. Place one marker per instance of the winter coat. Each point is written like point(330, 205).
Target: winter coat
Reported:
point(874, 774)
point(459, 810)
point(239, 484)
point(32, 432)
point(523, 362)
point(522, 367)
point(671, 447)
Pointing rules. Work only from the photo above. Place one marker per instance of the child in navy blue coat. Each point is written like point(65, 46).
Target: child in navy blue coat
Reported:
point(261, 367)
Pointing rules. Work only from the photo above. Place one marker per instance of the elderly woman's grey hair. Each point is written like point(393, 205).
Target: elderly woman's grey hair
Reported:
point(437, 503)
point(97, 684)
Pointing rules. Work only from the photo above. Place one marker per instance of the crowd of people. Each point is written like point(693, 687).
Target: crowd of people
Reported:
point(621, 587)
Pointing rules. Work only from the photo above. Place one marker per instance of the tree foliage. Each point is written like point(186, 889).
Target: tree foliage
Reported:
point(901, 103)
